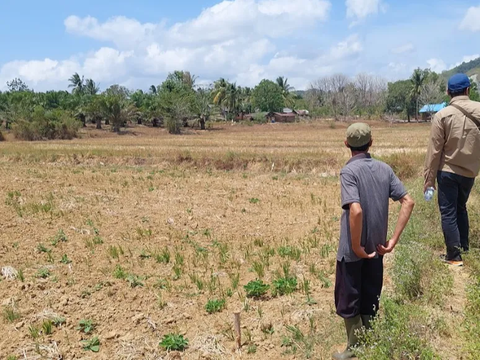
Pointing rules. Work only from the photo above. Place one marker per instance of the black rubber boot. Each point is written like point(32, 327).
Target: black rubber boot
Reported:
point(352, 326)
point(367, 321)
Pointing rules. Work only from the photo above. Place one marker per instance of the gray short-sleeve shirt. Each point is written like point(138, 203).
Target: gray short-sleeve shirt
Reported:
point(371, 183)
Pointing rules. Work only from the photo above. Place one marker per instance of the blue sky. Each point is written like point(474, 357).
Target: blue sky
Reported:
point(136, 43)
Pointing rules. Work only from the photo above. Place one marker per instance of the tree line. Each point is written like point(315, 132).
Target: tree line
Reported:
point(179, 99)
point(372, 97)
point(60, 114)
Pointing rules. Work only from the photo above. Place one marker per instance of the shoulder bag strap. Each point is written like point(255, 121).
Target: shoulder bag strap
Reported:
point(467, 114)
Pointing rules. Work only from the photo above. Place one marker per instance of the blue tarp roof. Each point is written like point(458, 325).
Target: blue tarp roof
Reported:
point(432, 108)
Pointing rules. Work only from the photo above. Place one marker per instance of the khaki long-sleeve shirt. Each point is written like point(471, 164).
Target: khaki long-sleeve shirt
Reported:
point(454, 141)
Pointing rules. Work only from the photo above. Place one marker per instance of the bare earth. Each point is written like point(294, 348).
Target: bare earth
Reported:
point(225, 203)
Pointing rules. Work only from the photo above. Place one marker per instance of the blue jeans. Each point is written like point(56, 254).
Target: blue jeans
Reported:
point(453, 193)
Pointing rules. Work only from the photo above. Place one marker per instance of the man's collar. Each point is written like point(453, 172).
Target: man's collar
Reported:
point(359, 157)
point(459, 98)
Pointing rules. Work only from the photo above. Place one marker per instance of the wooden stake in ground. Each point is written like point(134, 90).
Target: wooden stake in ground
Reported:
point(238, 331)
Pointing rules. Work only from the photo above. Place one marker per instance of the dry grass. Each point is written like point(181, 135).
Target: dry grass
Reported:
point(225, 207)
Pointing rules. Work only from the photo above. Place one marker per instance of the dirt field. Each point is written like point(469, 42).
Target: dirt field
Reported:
point(137, 232)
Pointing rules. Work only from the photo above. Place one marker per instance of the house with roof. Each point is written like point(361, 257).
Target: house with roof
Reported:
point(428, 110)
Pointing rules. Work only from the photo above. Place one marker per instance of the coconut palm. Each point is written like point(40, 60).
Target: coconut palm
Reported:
point(118, 110)
point(153, 90)
point(417, 80)
point(245, 99)
point(219, 94)
point(91, 87)
point(77, 84)
point(202, 106)
point(232, 97)
point(286, 90)
point(189, 80)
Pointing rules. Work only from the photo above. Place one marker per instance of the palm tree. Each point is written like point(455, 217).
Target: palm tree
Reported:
point(418, 78)
point(77, 83)
point(245, 95)
point(189, 80)
point(91, 87)
point(219, 93)
point(118, 110)
point(95, 109)
point(286, 91)
point(202, 106)
point(226, 95)
point(153, 90)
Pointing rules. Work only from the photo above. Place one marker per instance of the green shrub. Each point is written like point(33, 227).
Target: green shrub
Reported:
point(418, 274)
point(174, 342)
point(91, 345)
point(260, 118)
point(284, 286)
point(46, 124)
point(400, 333)
point(256, 289)
point(215, 305)
point(173, 126)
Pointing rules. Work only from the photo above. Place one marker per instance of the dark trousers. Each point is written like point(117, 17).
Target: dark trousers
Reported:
point(453, 193)
point(358, 286)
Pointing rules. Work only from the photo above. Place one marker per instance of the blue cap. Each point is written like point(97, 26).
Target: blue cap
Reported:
point(458, 83)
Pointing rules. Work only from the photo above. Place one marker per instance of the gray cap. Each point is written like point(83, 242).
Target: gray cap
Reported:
point(358, 135)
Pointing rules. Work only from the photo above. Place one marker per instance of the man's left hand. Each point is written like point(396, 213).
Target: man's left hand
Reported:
point(427, 186)
point(387, 249)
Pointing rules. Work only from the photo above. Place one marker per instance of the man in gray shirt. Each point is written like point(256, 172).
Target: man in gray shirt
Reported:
point(367, 185)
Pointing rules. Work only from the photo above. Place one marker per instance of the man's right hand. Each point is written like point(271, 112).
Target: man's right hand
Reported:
point(362, 254)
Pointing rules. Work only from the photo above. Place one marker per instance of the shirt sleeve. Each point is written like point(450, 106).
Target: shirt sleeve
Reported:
point(397, 190)
point(434, 152)
point(349, 189)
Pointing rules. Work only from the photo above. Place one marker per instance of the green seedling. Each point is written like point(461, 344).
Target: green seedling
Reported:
point(214, 306)
point(174, 342)
point(65, 260)
point(86, 326)
point(34, 331)
point(284, 286)
point(256, 289)
point(43, 273)
point(47, 327)
point(134, 281)
point(119, 272)
point(10, 315)
point(60, 237)
point(92, 345)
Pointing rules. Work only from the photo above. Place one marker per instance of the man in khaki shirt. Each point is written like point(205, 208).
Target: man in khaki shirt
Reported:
point(453, 159)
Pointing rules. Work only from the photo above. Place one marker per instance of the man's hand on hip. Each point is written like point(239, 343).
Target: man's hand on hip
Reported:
point(362, 254)
point(388, 248)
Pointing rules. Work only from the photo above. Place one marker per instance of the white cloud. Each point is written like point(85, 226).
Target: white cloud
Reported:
point(360, 9)
point(105, 65)
point(122, 31)
point(471, 21)
point(437, 65)
point(397, 67)
point(221, 22)
point(407, 48)
point(233, 39)
point(346, 48)
point(467, 59)
point(302, 71)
